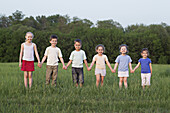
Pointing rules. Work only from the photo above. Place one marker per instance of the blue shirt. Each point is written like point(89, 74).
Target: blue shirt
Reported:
point(123, 62)
point(145, 65)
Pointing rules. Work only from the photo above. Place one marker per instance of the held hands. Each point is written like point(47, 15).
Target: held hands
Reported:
point(113, 70)
point(132, 71)
point(39, 65)
point(89, 68)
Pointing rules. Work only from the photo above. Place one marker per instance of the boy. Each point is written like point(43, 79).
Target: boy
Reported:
point(52, 53)
point(76, 58)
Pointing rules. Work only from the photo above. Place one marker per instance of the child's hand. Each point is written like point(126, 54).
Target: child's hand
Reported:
point(20, 65)
point(89, 69)
point(39, 65)
point(132, 71)
point(65, 67)
point(113, 70)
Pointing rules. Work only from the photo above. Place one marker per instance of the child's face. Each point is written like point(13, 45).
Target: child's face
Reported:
point(100, 50)
point(77, 46)
point(53, 42)
point(144, 54)
point(123, 50)
point(29, 37)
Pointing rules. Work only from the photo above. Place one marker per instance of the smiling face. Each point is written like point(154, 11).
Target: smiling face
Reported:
point(77, 46)
point(53, 42)
point(144, 54)
point(123, 50)
point(100, 50)
point(29, 37)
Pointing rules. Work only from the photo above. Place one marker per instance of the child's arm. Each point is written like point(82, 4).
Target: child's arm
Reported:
point(20, 57)
point(136, 67)
point(44, 58)
point(68, 64)
point(116, 64)
point(130, 66)
point(150, 65)
point(108, 63)
point(36, 54)
point(62, 61)
point(91, 65)
point(85, 61)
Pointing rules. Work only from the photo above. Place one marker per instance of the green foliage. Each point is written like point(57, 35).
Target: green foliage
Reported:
point(107, 32)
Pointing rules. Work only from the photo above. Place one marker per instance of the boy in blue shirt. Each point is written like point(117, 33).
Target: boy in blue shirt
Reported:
point(146, 68)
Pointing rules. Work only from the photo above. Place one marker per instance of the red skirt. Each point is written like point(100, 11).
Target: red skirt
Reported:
point(27, 65)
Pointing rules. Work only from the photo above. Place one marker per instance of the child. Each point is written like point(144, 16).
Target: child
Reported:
point(100, 60)
point(27, 56)
point(123, 61)
point(52, 53)
point(146, 68)
point(76, 58)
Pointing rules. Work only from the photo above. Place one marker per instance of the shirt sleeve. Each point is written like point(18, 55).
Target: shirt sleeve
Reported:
point(150, 61)
point(59, 53)
point(106, 59)
point(94, 58)
point(46, 52)
point(139, 60)
point(71, 56)
point(84, 56)
point(117, 60)
point(130, 60)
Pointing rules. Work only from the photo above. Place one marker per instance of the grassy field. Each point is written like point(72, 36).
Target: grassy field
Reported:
point(66, 98)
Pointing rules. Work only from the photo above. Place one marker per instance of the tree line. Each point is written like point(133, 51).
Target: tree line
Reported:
point(111, 34)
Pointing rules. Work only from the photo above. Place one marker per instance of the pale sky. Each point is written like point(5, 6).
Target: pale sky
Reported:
point(126, 12)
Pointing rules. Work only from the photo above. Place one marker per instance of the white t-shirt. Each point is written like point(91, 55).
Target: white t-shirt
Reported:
point(100, 61)
point(52, 54)
point(77, 58)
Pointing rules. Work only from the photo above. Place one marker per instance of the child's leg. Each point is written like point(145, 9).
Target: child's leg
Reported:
point(80, 76)
point(30, 78)
point(54, 75)
point(125, 82)
point(48, 74)
point(120, 82)
point(143, 80)
point(148, 77)
point(74, 76)
point(97, 79)
point(102, 79)
point(25, 78)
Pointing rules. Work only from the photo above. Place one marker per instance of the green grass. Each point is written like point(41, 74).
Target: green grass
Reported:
point(66, 98)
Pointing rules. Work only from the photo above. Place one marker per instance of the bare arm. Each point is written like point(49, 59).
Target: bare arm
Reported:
point(21, 53)
point(62, 61)
point(130, 66)
point(91, 65)
point(108, 63)
point(43, 59)
point(150, 65)
point(137, 66)
point(68, 64)
point(36, 53)
point(116, 64)
point(85, 61)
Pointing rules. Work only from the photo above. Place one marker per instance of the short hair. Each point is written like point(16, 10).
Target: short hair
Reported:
point(100, 45)
point(125, 46)
point(145, 49)
point(53, 37)
point(30, 33)
point(78, 40)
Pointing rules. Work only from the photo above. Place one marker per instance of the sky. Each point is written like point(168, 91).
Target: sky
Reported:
point(126, 12)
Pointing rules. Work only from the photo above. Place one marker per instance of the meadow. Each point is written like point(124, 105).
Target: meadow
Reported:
point(68, 99)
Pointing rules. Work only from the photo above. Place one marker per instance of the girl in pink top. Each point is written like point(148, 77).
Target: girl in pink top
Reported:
point(27, 57)
point(100, 59)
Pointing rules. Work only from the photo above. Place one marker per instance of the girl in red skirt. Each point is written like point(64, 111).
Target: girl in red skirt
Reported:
point(27, 56)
